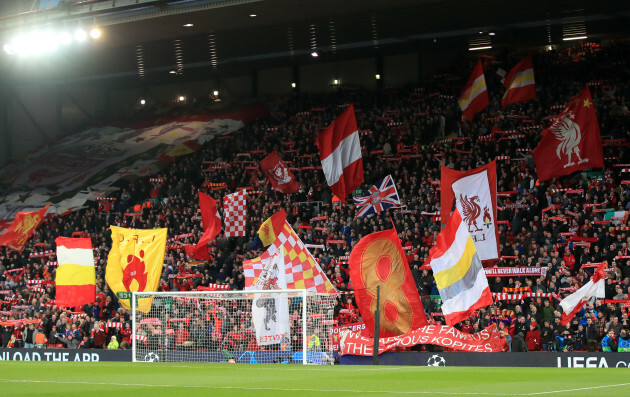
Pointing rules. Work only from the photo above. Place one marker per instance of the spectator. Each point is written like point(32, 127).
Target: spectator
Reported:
point(608, 342)
point(533, 338)
point(29, 336)
point(113, 345)
point(624, 342)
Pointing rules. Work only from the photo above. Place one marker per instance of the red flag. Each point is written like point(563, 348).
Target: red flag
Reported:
point(211, 227)
point(378, 259)
point(22, 229)
point(519, 83)
point(340, 152)
point(474, 98)
point(572, 142)
point(278, 173)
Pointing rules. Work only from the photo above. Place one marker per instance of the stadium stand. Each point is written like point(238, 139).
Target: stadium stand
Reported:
point(408, 132)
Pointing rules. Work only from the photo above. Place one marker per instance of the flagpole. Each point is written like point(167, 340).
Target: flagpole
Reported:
point(377, 320)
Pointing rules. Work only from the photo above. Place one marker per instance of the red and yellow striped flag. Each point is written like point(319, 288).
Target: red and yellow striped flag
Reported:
point(76, 279)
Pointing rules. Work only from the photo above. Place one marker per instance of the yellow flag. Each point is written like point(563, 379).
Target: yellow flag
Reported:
point(135, 264)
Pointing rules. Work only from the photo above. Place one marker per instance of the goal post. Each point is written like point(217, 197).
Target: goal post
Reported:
point(261, 326)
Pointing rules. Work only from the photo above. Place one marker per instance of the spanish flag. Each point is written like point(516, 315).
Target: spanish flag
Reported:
point(76, 279)
point(135, 264)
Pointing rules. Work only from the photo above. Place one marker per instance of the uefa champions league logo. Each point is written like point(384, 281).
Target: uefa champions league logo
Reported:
point(152, 358)
point(436, 361)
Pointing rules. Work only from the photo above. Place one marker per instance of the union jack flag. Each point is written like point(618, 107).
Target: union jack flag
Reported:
point(382, 195)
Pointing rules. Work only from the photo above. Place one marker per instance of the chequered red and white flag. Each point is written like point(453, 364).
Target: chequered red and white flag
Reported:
point(234, 213)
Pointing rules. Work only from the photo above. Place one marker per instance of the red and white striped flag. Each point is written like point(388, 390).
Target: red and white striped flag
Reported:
point(573, 303)
point(235, 213)
point(340, 152)
point(474, 98)
point(519, 83)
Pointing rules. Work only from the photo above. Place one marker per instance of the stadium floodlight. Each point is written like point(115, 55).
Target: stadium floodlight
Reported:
point(575, 38)
point(95, 33)
point(264, 326)
point(485, 47)
point(80, 35)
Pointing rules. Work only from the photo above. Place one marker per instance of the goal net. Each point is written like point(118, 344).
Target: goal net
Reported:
point(270, 326)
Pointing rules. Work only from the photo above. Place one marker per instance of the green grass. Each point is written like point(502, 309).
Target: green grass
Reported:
point(183, 379)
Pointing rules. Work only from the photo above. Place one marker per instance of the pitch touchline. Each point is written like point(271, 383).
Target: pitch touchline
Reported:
point(247, 388)
point(579, 389)
point(309, 390)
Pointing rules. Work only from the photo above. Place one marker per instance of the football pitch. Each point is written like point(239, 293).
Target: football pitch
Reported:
point(186, 379)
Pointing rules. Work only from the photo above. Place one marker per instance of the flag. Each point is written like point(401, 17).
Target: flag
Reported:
point(382, 195)
point(211, 227)
point(574, 302)
point(474, 98)
point(302, 271)
point(378, 259)
point(75, 283)
point(135, 263)
point(458, 272)
point(475, 196)
point(340, 151)
point(22, 228)
point(572, 142)
point(270, 313)
point(279, 175)
point(235, 213)
point(618, 218)
point(519, 83)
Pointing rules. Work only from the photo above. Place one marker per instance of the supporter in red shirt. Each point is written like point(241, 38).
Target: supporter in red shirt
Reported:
point(533, 338)
point(125, 333)
point(184, 285)
point(181, 335)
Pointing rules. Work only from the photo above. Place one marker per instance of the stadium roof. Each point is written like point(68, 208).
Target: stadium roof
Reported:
point(285, 32)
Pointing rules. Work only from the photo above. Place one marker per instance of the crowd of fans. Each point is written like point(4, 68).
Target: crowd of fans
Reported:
point(408, 132)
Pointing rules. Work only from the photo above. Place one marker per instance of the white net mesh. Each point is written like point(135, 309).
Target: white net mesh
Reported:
point(234, 326)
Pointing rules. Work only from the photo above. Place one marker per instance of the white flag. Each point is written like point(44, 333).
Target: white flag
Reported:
point(270, 312)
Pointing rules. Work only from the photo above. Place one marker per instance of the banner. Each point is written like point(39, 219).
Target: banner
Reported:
point(135, 264)
point(334, 333)
point(515, 271)
point(270, 313)
point(96, 158)
point(487, 340)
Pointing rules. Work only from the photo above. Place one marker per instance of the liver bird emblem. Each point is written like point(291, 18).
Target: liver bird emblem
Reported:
point(567, 131)
point(471, 211)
